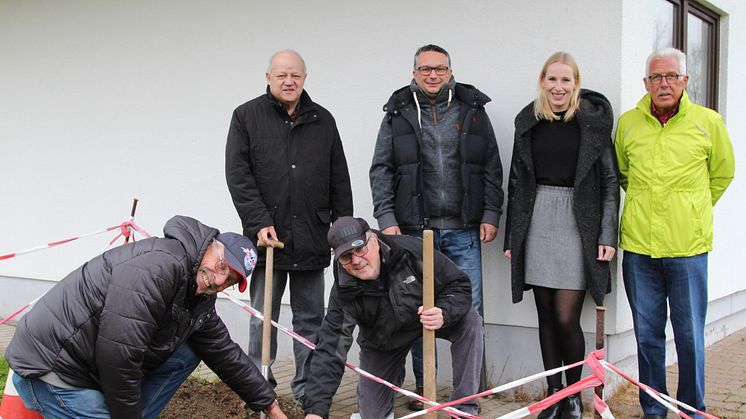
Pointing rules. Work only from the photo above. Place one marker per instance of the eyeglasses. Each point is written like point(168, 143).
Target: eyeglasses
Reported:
point(439, 70)
point(361, 251)
point(220, 266)
point(670, 78)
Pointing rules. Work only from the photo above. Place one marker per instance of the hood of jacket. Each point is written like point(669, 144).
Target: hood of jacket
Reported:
point(466, 93)
point(193, 235)
point(594, 109)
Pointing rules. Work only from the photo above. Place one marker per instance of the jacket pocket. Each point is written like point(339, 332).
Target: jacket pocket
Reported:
point(405, 200)
point(324, 215)
point(474, 199)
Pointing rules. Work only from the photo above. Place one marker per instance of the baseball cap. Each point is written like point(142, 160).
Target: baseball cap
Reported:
point(240, 255)
point(347, 233)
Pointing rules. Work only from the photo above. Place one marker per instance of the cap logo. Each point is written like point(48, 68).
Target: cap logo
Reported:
point(347, 231)
point(249, 259)
point(357, 243)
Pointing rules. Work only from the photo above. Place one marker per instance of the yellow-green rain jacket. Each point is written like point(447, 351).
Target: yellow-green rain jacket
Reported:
point(673, 176)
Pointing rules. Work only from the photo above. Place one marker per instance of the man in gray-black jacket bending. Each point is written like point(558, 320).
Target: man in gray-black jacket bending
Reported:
point(378, 283)
point(117, 336)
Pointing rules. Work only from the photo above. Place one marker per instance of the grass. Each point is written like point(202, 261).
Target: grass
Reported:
point(3, 375)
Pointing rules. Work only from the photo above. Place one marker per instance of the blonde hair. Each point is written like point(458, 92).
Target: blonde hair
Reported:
point(542, 108)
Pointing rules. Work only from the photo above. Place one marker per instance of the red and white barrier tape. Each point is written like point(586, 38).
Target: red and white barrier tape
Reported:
point(601, 407)
point(498, 389)
point(125, 230)
point(452, 411)
point(20, 310)
point(658, 396)
point(591, 381)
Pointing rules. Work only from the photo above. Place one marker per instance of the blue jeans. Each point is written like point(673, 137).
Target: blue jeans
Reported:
point(462, 247)
point(307, 305)
point(156, 390)
point(683, 282)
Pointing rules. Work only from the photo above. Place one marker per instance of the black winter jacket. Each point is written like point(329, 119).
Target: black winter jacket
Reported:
point(120, 315)
point(388, 319)
point(595, 194)
point(289, 172)
point(439, 167)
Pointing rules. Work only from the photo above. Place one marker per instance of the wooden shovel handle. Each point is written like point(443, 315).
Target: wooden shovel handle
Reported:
point(272, 243)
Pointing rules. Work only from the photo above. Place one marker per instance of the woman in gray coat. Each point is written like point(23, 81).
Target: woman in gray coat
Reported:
point(563, 201)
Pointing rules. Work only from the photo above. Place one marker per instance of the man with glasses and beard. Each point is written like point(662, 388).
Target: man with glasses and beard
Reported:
point(378, 283)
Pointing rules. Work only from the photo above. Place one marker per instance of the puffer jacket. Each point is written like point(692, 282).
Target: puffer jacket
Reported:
point(436, 163)
point(290, 173)
point(673, 176)
point(123, 313)
point(595, 192)
point(387, 319)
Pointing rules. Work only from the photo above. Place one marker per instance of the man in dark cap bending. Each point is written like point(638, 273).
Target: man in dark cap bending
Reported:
point(378, 283)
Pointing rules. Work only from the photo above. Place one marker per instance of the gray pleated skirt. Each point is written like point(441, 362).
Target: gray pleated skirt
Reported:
point(554, 252)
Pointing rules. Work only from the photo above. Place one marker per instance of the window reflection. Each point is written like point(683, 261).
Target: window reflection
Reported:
point(663, 14)
point(698, 59)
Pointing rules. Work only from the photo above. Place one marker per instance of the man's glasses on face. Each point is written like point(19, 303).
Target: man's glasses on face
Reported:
point(220, 267)
point(670, 78)
point(361, 251)
point(426, 70)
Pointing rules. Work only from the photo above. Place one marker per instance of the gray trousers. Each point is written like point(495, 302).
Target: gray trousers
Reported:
point(376, 401)
point(307, 305)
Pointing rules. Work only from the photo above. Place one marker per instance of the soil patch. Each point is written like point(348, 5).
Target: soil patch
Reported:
point(201, 399)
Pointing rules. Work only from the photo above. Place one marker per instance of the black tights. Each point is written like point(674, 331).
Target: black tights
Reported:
point(560, 335)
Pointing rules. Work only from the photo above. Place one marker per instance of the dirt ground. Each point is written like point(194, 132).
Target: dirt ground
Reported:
point(200, 399)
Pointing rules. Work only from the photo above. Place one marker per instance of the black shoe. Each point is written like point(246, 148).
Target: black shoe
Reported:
point(653, 416)
point(573, 408)
point(553, 411)
point(416, 404)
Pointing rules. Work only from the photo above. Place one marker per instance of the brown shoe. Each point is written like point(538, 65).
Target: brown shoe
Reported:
point(416, 404)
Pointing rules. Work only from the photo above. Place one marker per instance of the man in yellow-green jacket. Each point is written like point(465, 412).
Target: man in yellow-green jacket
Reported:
point(675, 161)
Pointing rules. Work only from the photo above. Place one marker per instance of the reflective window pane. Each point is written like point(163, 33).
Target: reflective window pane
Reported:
point(663, 14)
point(698, 60)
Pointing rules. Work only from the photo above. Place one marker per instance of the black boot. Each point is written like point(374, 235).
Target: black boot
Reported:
point(573, 408)
point(553, 411)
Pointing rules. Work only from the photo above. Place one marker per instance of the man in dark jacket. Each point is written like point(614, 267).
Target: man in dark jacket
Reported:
point(287, 175)
point(378, 283)
point(436, 165)
point(117, 336)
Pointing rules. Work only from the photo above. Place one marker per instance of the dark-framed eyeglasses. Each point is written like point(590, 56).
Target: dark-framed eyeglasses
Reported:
point(670, 78)
point(361, 251)
point(440, 70)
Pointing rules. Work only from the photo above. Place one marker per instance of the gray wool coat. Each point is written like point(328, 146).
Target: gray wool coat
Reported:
point(596, 192)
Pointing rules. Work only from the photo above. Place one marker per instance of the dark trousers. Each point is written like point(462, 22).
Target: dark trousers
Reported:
point(467, 346)
point(307, 305)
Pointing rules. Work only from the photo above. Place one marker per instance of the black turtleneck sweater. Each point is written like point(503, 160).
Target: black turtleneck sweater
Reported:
point(554, 148)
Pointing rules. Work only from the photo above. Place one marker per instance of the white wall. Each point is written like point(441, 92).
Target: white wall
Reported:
point(107, 101)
